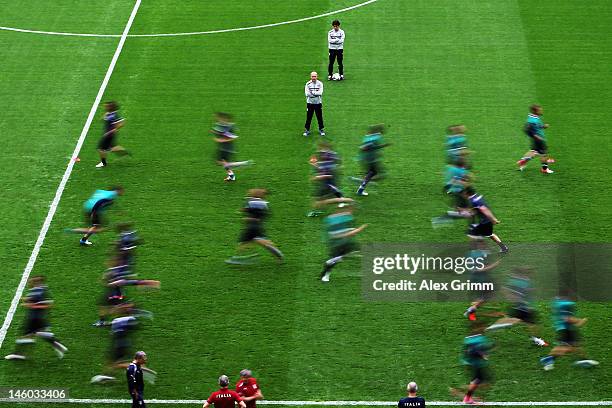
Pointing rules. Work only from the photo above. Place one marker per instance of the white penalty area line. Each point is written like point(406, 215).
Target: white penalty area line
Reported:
point(227, 30)
point(62, 185)
point(321, 403)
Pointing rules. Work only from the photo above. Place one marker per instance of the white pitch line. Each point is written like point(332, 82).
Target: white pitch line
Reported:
point(60, 189)
point(24, 30)
point(227, 30)
point(322, 403)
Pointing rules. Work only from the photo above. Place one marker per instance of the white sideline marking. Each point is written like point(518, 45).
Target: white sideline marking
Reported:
point(60, 189)
point(326, 403)
point(227, 30)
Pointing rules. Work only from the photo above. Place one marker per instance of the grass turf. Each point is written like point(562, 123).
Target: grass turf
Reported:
point(417, 66)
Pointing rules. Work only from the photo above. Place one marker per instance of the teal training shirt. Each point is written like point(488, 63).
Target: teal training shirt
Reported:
point(561, 310)
point(475, 349)
point(98, 196)
point(534, 126)
point(338, 224)
point(456, 142)
point(520, 293)
point(455, 146)
point(453, 177)
point(370, 147)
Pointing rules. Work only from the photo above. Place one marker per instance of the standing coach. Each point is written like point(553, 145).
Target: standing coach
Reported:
point(335, 38)
point(135, 379)
point(412, 400)
point(314, 103)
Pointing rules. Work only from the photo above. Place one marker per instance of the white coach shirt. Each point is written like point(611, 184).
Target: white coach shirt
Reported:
point(335, 39)
point(314, 91)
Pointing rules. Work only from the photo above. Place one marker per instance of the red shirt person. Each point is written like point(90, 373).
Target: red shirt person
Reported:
point(248, 389)
point(224, 397)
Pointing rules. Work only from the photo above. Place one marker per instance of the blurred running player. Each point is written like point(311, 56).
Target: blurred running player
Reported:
point(482, 273)
point(121, 273)
point(113, 294)
point(340, 238)
point(482, 225)
point(566, 325)
point(370, 155)
point(37, 302)
point(534, 128)
point(476, 349)
point(112, 123)
point(519, 290)
point(126, 243)
point(223, 131)
point(256, 211)
point(248, 389)
point(457, 175)
point(94, 207)
point(224, 397)
point(325, 163)
point(456, 144)
point(122, 331)
point(116, 278)
point(456, 178)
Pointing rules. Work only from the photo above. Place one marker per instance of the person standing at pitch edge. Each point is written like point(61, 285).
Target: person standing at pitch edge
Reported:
point(224, 397)
point(412, 400)
point(314, 93)
point(335, 38)
point(135, 379)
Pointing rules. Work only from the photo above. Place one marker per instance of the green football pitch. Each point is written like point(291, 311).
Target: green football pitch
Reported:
point(415, 65)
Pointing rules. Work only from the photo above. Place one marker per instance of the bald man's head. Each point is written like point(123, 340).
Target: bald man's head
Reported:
point(412, 387)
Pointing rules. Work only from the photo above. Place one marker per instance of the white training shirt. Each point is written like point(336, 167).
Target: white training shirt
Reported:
point(314, 91)
point(335, 39)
